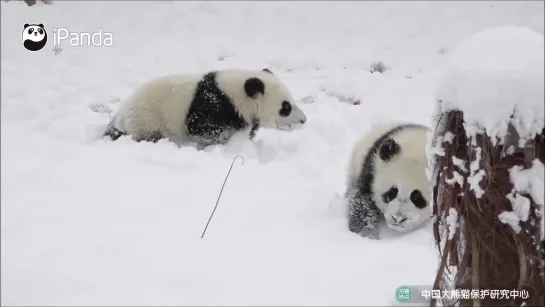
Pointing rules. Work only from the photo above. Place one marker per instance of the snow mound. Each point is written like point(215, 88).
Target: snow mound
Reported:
point(496, 77)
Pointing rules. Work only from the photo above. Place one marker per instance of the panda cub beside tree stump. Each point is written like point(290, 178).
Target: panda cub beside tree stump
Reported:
point(387, 179)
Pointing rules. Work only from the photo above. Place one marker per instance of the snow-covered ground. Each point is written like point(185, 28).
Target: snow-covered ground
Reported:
point(87, 221)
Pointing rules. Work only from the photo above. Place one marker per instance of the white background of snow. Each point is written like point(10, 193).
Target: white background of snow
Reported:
point(93, 222)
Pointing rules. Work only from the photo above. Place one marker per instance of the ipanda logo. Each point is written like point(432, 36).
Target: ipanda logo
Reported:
point(34, 37)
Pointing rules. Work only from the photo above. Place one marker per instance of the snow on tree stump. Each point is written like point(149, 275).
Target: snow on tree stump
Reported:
point(486, 155)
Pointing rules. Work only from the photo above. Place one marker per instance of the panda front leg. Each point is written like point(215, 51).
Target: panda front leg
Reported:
point(112, 131)
point(363, 215)
point(152, 137)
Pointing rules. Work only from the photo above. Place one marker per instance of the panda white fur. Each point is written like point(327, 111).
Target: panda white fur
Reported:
point(387, 179)
point(206, 108)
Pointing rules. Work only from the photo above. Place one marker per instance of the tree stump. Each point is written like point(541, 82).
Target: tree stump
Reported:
point(486, 157)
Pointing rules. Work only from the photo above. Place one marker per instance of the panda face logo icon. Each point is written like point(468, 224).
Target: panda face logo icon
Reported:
point(34, 37)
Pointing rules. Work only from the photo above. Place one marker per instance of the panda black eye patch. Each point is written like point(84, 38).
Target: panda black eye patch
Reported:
point(286, 109)
point(390, 195)
point(418, 200)
point(388, 150)
point(30, 31)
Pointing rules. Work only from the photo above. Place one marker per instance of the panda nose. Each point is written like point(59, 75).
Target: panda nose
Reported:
point(399, 219)
point(303, 121)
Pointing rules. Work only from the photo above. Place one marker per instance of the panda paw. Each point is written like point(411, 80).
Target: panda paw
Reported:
point(369, 233)
point(363, 218)
point(364, 228)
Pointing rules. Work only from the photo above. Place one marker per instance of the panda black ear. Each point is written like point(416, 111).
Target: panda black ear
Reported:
point(41, 25)
point(254, 86)
point(26, 25)
point(388, 150)
point(267, 70)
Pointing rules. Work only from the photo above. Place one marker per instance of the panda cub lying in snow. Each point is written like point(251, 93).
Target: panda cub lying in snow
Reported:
point(387, 179)
point(206, 108)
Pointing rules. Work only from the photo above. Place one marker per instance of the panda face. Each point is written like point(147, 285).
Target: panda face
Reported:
point(277, 108)
point(401, 189)
point(404, 207)
point(261, 96)
point(284, 113)
point(35, 33)
point(34, 37)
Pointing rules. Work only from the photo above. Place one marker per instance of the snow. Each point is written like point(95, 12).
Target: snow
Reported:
point(530, 181)
point(511, 218)
point(438, 149)
point(449, 136)
point(476, 174)
point(91, 222)
point(456, 177)
point(452, 222)
point(498, 72)
point(459, 163)
point(521, 205)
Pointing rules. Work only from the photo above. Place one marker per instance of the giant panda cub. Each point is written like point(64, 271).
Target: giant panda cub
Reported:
point(207, 109)
point(387, 179)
